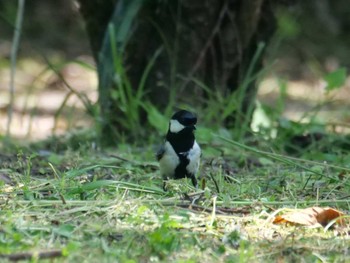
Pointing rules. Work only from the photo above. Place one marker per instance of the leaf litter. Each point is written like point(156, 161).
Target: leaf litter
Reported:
point(311, 216)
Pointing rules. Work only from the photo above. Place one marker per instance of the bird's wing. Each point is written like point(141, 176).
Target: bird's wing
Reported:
point(160, 152)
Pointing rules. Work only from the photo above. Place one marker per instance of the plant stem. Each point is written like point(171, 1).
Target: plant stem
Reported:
point(285, 159)
point(14, 50)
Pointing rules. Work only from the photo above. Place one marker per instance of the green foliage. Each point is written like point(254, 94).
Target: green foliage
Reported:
point(220, 105)
point(155, 118)
point(335, 79)
point(65, 230)
point(115, 210)
point(163, 241)
point(128, 100)
point(288, 25)
point(90, 205)
point(111, 70)
point(93, 205)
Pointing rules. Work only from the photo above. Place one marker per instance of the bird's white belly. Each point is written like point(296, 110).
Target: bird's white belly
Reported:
point(194, 156)
point(168, 162)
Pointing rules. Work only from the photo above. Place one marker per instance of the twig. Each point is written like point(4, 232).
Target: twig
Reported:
point(134, 162)
point(216, 184)
point(36, 254)
point(193, 198)
point(218, 210)
point(206, 46)
point(122, 159)
point(200, 208)
point(82, 97)
point(62, 199)
point(14, 50)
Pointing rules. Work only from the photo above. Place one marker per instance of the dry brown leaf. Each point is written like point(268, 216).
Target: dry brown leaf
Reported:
point(309, 216)
point(329, 214)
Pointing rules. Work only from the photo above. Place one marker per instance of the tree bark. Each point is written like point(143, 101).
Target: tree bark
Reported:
point(96, 14)
point(210, 40)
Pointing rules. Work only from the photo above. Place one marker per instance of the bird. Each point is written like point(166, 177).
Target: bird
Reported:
point(179, 156)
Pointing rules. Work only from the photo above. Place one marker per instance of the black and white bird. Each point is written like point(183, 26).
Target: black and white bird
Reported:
point(179, 156)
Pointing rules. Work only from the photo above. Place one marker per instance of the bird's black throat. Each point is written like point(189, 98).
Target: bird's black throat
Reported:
point(181, 141)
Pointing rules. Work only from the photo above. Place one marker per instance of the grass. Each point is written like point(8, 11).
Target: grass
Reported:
point(108, 206)
point(68, 201)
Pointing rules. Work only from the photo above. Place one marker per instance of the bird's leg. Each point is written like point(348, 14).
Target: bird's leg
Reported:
point(194, 180)
point(165, 185)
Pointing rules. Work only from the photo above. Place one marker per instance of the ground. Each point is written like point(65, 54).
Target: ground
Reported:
point(93, 205)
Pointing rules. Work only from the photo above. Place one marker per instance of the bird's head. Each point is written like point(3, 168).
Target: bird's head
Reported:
point(182, 120)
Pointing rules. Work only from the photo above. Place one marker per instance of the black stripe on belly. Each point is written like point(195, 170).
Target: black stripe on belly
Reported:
point(182, 142)
point(180, 171)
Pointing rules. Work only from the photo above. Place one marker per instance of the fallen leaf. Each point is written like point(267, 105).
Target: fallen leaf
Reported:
point(329, 214)
point(311, 216)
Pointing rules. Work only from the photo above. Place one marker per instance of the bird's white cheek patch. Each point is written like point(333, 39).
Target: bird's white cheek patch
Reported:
point(176, 126)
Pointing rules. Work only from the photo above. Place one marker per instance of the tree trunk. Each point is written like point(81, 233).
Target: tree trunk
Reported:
point(209, 40)
point(96, 14)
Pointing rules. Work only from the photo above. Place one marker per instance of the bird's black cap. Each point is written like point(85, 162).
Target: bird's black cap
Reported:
point(185, 117)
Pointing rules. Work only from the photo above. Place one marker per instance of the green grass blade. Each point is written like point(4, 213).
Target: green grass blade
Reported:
point(108, 183)
point(74, 173)
point(141, 87)
point(111, 59)
point(277, 157)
